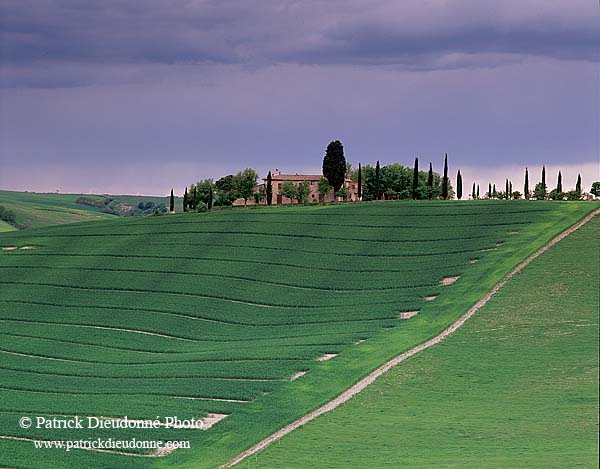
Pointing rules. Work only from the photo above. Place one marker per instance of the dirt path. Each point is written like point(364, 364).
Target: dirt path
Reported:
point(363, 383)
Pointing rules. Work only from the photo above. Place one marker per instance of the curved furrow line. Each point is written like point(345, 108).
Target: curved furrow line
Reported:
point(125, 308)
point(108, 328)
point(222, 276)
point(185, 316)
point(258, 233)
point(261, 262)
point(167, 396)
point(149, 378)
point(278, 221)
point(137, 364)
point(197, 295)
point(171, 353)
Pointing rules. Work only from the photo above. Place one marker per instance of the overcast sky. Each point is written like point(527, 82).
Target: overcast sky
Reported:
point(130, 96)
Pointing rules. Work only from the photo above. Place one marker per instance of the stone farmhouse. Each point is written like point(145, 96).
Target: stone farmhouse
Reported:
point(278, 179)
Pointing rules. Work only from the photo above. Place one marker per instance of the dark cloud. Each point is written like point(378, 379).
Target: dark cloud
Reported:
point(408, 32)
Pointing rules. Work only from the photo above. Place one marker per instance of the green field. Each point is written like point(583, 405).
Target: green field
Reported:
point(192, 314)
point(6, 227)
point(34, 210)
point(516, 386)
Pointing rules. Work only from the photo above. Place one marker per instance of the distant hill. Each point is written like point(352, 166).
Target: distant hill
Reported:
point(33, 210)
point(4, 226)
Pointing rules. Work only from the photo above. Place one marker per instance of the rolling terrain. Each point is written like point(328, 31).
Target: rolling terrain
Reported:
point(33, 210)
point(261, 315)
point(516, 386)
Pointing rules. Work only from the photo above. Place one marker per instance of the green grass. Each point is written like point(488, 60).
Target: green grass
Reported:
point(33, 210)
point(229, 305)
point(4, 226)
point(516, 386)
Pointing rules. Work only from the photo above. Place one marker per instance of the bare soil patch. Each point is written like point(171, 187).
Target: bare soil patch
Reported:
point(449, 280)
point(297, 375)
point(326, 356)
point(408, 314)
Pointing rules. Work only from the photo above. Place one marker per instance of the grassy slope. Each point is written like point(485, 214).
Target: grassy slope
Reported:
point(136, 199)
point(6, 227)
point(165, 274)
point(34, 210)
point(515, 387)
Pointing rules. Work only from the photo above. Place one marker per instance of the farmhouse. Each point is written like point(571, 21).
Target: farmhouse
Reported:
point(278, 179)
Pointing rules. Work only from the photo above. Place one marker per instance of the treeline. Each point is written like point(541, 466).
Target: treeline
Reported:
point(539, 192)
point(395, 181)
point(7, 215)
point(205, 194)
point(389, 182)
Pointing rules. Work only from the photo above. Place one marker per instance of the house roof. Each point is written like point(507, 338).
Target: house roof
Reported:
point(298, 177)
point(295, 177)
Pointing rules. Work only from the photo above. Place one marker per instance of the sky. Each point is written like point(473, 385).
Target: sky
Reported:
point(129, 96)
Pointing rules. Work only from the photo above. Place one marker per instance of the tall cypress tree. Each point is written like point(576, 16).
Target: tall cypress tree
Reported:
point(210, 196)
point(185, 200)
point(473, 194)
point(578, 185)
point(489, 190)
point(559, 183)
point(544, 181)
point(377, 185)
point(477, 190)
point(494, 192)
point(194, 198)
point(445, 179)
point(430, 182)
point(526, 186)
point(171, 202)
point(459, 185)
point(415, 184)
point(510, 192)
point(269, 190)
point(359, 182)
point(334, 165)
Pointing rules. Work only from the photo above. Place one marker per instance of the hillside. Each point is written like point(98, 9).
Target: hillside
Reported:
point(6, 227)
point(516, 386)
point(34, 210)
point(219, 313)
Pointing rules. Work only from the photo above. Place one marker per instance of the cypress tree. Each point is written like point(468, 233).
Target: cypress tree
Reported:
point(459, 185)
point(269, 190)
point(185, 200)
point(544, 181)
point(473, 195)
point(489, 190)
point(359, 182)
point(494, 192)
point(506, 190)
point(415, 185)
point(578, 185)
point(559, 183)
point(445, 179)
point(210, 197)
point(334, 165)
point(171, 202)
point(430, 182)
point(510, 190)
point(377, 186)
point(477, 190)
point(526, 186)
